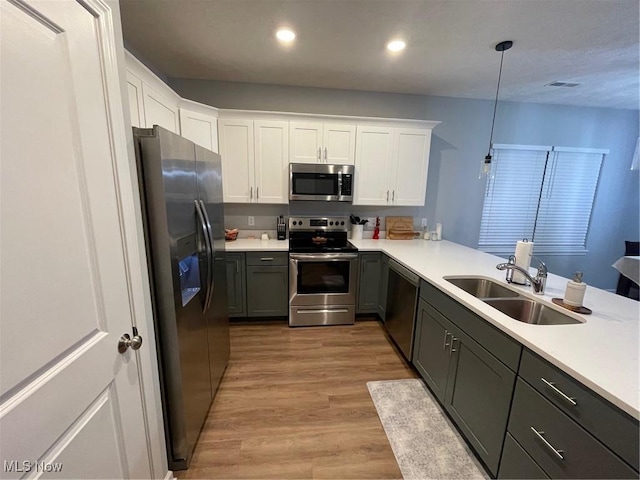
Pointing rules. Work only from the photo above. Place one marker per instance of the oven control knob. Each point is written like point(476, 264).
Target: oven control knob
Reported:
point(330, 223)
point(295, 223)
point(342, 222)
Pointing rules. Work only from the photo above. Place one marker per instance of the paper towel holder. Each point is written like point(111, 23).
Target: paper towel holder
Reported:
point(486, 165)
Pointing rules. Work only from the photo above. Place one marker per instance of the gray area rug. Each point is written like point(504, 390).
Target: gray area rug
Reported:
point(424, 441)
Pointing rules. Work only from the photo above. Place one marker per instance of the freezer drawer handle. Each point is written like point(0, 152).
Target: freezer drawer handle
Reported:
point(556, 452)
point(560, 393)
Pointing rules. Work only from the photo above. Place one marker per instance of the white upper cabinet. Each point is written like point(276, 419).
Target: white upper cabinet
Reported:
point(136, 106)
point(391, 166)
point(339, 144)
point(305, 143)
point(160, 109)
point(411, 163)
point(271, 171)
point(236, 149)
point(151, 101)
point(255, 160)
point(312, 142)
point(373, 162)
point(200, 128)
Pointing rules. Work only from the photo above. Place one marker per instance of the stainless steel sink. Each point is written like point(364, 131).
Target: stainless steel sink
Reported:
point(530, 311)
point(482, 287)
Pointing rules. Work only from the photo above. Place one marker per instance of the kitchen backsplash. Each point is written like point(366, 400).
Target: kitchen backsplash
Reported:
point(264, 216)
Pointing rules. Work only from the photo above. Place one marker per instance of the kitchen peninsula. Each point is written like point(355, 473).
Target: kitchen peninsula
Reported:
point(516, 364)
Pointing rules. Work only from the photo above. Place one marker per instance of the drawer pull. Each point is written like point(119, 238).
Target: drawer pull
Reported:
point(266, 259)
point(562, 395)
point(453, 344)
point(556, 452)
point(445, 344)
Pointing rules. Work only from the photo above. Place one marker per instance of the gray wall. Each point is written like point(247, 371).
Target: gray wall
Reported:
point(454, 193)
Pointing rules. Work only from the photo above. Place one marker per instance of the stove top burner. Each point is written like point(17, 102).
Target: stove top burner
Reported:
point(319, 235)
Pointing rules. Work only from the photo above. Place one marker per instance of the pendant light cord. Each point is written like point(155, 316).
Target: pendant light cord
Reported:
point(495, 105)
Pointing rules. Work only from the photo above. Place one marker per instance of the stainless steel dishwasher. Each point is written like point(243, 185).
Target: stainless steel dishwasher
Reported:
point(402, 295)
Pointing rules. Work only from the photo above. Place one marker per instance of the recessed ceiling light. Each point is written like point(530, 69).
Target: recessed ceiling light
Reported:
point(286, 35)
point(396, 45)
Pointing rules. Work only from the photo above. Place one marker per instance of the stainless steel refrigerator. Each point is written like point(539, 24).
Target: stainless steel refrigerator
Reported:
point(181, 196)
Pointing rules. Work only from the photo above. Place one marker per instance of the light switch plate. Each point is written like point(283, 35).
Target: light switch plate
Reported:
point(252, 221)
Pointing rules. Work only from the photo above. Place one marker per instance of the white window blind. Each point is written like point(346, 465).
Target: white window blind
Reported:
point(541, 193)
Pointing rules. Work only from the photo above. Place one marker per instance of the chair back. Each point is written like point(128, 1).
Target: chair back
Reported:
point(631, 249)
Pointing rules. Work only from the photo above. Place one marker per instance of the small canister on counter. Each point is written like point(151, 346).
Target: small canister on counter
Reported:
point(574, 294)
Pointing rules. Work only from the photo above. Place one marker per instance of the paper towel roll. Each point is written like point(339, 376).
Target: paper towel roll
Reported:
point(524, 249)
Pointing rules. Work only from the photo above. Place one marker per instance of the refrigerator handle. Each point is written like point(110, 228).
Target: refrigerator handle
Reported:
point(207, 243)
point(211, 252)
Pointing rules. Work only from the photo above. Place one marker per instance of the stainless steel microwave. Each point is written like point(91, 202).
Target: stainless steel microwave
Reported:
point(323, 182)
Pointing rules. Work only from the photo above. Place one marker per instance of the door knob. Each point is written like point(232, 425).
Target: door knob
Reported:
point(126, 341)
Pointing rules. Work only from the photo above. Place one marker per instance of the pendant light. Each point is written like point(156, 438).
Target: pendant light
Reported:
point(486, 165)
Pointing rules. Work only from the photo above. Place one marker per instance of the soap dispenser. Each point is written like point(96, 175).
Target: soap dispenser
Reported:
point(574, 294)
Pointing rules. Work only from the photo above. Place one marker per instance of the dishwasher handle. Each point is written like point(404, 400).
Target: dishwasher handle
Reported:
point(404, 272)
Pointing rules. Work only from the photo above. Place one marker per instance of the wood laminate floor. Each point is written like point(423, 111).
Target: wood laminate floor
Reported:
point(294, 404)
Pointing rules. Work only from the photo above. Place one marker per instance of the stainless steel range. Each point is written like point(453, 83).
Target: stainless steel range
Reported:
point(323, 268)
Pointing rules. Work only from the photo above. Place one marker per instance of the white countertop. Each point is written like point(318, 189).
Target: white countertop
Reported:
point(602, 353)
point(257, 245)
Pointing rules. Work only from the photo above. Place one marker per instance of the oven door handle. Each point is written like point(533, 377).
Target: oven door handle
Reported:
point(323, 257)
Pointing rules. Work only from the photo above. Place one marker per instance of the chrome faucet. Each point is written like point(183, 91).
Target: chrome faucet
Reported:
point(538, 283)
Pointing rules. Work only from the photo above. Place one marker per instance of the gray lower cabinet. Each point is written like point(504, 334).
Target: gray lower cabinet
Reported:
point(516, 463)
point(267, 284)
point(236, 286)
point(474, 387)
point(567, 429)
point(384, 283)
point(368, 283)
point(561, 447)
point(431, 348)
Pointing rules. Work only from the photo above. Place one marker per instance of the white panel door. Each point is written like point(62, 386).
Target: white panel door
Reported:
point(236, 149)
point(305, 145)
point(373, 163)
point(339, 144)
point(271, 161)
point(67, 397)
point(411, 163)
point(199, 128)
point(159, 110)
point(136, 105)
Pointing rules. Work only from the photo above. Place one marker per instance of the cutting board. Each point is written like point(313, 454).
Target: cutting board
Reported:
point(400, 228)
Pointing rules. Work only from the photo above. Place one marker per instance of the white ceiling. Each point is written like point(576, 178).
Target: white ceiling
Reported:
point(450, 45)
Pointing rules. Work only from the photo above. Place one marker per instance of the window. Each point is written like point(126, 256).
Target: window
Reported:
point(541, 193)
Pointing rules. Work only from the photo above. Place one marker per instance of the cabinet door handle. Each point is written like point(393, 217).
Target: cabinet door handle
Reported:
point(393, 196)
point(445, 344)
point(266, 259)
point(325, 155)
point(453, 342)
point(319, 154)
point(387, 196)
point(560, 393)
point(257, 193)
point(237, 266)
point(250, 193)
point(556, 452)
